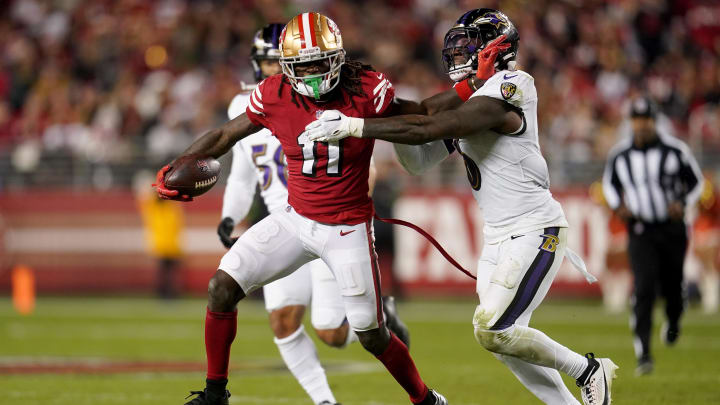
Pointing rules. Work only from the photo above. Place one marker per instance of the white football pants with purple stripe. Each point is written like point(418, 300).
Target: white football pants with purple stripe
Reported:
point(513, 278)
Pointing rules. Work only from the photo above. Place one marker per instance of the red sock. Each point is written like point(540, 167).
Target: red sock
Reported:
point(397, 360)
point(220, 329)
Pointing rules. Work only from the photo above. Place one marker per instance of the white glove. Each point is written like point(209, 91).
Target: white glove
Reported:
point(333, 125)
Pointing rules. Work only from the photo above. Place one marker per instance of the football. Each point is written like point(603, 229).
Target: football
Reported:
point(192, 175)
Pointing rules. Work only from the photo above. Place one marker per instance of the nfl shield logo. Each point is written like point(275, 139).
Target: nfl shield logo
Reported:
point(507, 90)
point(318, 113)
point(202, 165)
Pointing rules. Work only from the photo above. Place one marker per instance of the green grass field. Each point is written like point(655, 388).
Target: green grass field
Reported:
point(98, 331)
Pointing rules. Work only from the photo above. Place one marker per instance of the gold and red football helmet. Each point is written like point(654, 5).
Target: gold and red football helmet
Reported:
point(310, 37)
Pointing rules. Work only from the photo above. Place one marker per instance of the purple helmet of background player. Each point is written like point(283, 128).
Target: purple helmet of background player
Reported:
point(266, 45)
point(471, 33)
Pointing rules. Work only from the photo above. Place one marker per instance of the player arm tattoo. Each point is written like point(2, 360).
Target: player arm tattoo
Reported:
point(218, 141)
point(476, 115)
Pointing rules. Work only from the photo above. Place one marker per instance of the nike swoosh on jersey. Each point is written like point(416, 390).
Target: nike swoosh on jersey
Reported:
point(516, 236)
point(508, 77)
point(347, 233)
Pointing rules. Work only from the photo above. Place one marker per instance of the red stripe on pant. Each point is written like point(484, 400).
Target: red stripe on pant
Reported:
point(375, 273)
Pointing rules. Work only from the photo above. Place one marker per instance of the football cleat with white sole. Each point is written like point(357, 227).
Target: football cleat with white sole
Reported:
point(433, 398)
point(596, 382)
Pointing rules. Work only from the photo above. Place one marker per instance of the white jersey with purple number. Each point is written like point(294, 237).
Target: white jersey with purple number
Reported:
point(257, 159)
point(508, 173)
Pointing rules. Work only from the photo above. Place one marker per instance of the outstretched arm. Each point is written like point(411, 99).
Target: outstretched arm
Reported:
point(214, 143)
point(447, 100)
point(418, 158)
point(454, 97)
point(478, 114)
point(218, 141)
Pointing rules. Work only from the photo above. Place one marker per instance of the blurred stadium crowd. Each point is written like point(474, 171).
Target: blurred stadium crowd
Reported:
point(90, 91)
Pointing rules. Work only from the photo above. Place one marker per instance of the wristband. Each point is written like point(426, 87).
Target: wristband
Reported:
point(355, 126)
point(464, 90)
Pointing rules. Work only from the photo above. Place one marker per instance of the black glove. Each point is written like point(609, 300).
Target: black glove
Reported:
point(225, 230)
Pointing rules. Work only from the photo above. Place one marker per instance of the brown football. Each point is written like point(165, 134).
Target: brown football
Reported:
point(192, 175)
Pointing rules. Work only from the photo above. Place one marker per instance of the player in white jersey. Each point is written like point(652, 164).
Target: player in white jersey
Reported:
point(496, 133)
point(258, 159)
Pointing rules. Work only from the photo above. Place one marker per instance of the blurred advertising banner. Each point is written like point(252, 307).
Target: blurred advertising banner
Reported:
point(455, 220)
point(85, 242)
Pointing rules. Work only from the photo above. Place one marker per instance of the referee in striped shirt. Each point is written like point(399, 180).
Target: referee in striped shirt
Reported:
point(649, 180)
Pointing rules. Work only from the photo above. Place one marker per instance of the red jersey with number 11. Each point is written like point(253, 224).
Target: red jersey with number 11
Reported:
point(328, 182)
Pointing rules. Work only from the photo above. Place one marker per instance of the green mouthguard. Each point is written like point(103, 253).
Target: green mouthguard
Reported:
point(314, 83)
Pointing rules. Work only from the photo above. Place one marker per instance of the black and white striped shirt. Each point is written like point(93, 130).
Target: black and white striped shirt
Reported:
point(648, 179)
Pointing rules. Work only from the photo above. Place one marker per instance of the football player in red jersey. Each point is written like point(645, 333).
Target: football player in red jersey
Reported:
point(329, 215)
point(496, 132)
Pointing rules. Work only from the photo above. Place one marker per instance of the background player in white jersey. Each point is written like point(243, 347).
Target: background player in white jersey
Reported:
point(258, 159)
point(495, 131)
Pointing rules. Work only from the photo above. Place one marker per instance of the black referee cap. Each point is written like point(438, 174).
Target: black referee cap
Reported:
point(643, 107)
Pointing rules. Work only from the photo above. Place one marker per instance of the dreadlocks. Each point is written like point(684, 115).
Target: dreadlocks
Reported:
point(350, 81)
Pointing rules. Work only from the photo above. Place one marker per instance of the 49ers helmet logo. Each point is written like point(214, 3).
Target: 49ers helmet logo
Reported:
point(333, 27)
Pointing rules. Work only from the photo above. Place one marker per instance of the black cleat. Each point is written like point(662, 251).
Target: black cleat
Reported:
point(645, 366)
point(669, 334)
point(206, 397)
point(393, 322)
point(433, 398)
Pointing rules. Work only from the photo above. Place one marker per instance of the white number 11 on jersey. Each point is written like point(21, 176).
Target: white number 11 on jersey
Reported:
point(309, 148)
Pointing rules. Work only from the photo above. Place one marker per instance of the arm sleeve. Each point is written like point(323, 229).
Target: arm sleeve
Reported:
point(240, 188)
point(691, 175)
point(416, 159)
point(612, 188)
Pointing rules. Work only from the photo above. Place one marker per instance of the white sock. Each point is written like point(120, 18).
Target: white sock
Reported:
point(544, 382)
point(536, 347)
point(299, 353)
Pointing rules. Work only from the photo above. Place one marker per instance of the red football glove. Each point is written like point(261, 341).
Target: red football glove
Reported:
point(164, 192)
point(486, 57)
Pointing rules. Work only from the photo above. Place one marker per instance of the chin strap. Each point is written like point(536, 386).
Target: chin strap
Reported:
point(430, 239)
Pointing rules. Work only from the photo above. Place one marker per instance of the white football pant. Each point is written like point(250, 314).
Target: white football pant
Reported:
point(512, 280)
point(284, 241)
point(313, 286)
